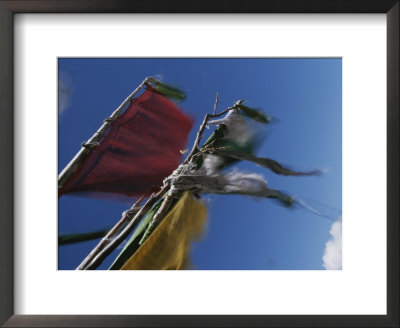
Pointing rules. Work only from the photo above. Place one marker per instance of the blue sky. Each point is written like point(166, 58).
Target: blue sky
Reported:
point(305, 98)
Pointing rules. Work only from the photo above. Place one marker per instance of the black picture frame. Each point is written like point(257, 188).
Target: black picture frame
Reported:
point(10, 7)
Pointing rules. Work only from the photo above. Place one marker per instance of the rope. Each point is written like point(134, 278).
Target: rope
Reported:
point(90, 145)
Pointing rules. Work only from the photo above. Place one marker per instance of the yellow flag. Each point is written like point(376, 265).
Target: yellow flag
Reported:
point(168, 247)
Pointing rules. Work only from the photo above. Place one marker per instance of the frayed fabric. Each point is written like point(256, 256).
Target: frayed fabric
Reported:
point(211, 164)
point(239, 129)
point(235, 182)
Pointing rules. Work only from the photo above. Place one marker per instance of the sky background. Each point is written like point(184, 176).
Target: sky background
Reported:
point(304, 96)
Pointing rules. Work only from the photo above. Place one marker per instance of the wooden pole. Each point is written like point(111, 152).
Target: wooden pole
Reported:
point(126, 216)
point(95, 260)
point(87, 147)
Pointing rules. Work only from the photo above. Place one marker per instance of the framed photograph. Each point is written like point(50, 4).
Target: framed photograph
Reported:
point(289, 84)
point(302, 110)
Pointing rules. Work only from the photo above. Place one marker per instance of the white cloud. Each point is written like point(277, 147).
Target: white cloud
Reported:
point(64, 91)
point(332, 258)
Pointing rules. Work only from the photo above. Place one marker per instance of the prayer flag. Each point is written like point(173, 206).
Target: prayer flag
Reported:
point(141, 148)
point(168, 246)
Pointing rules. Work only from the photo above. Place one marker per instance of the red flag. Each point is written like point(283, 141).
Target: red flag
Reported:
point(138, 152)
